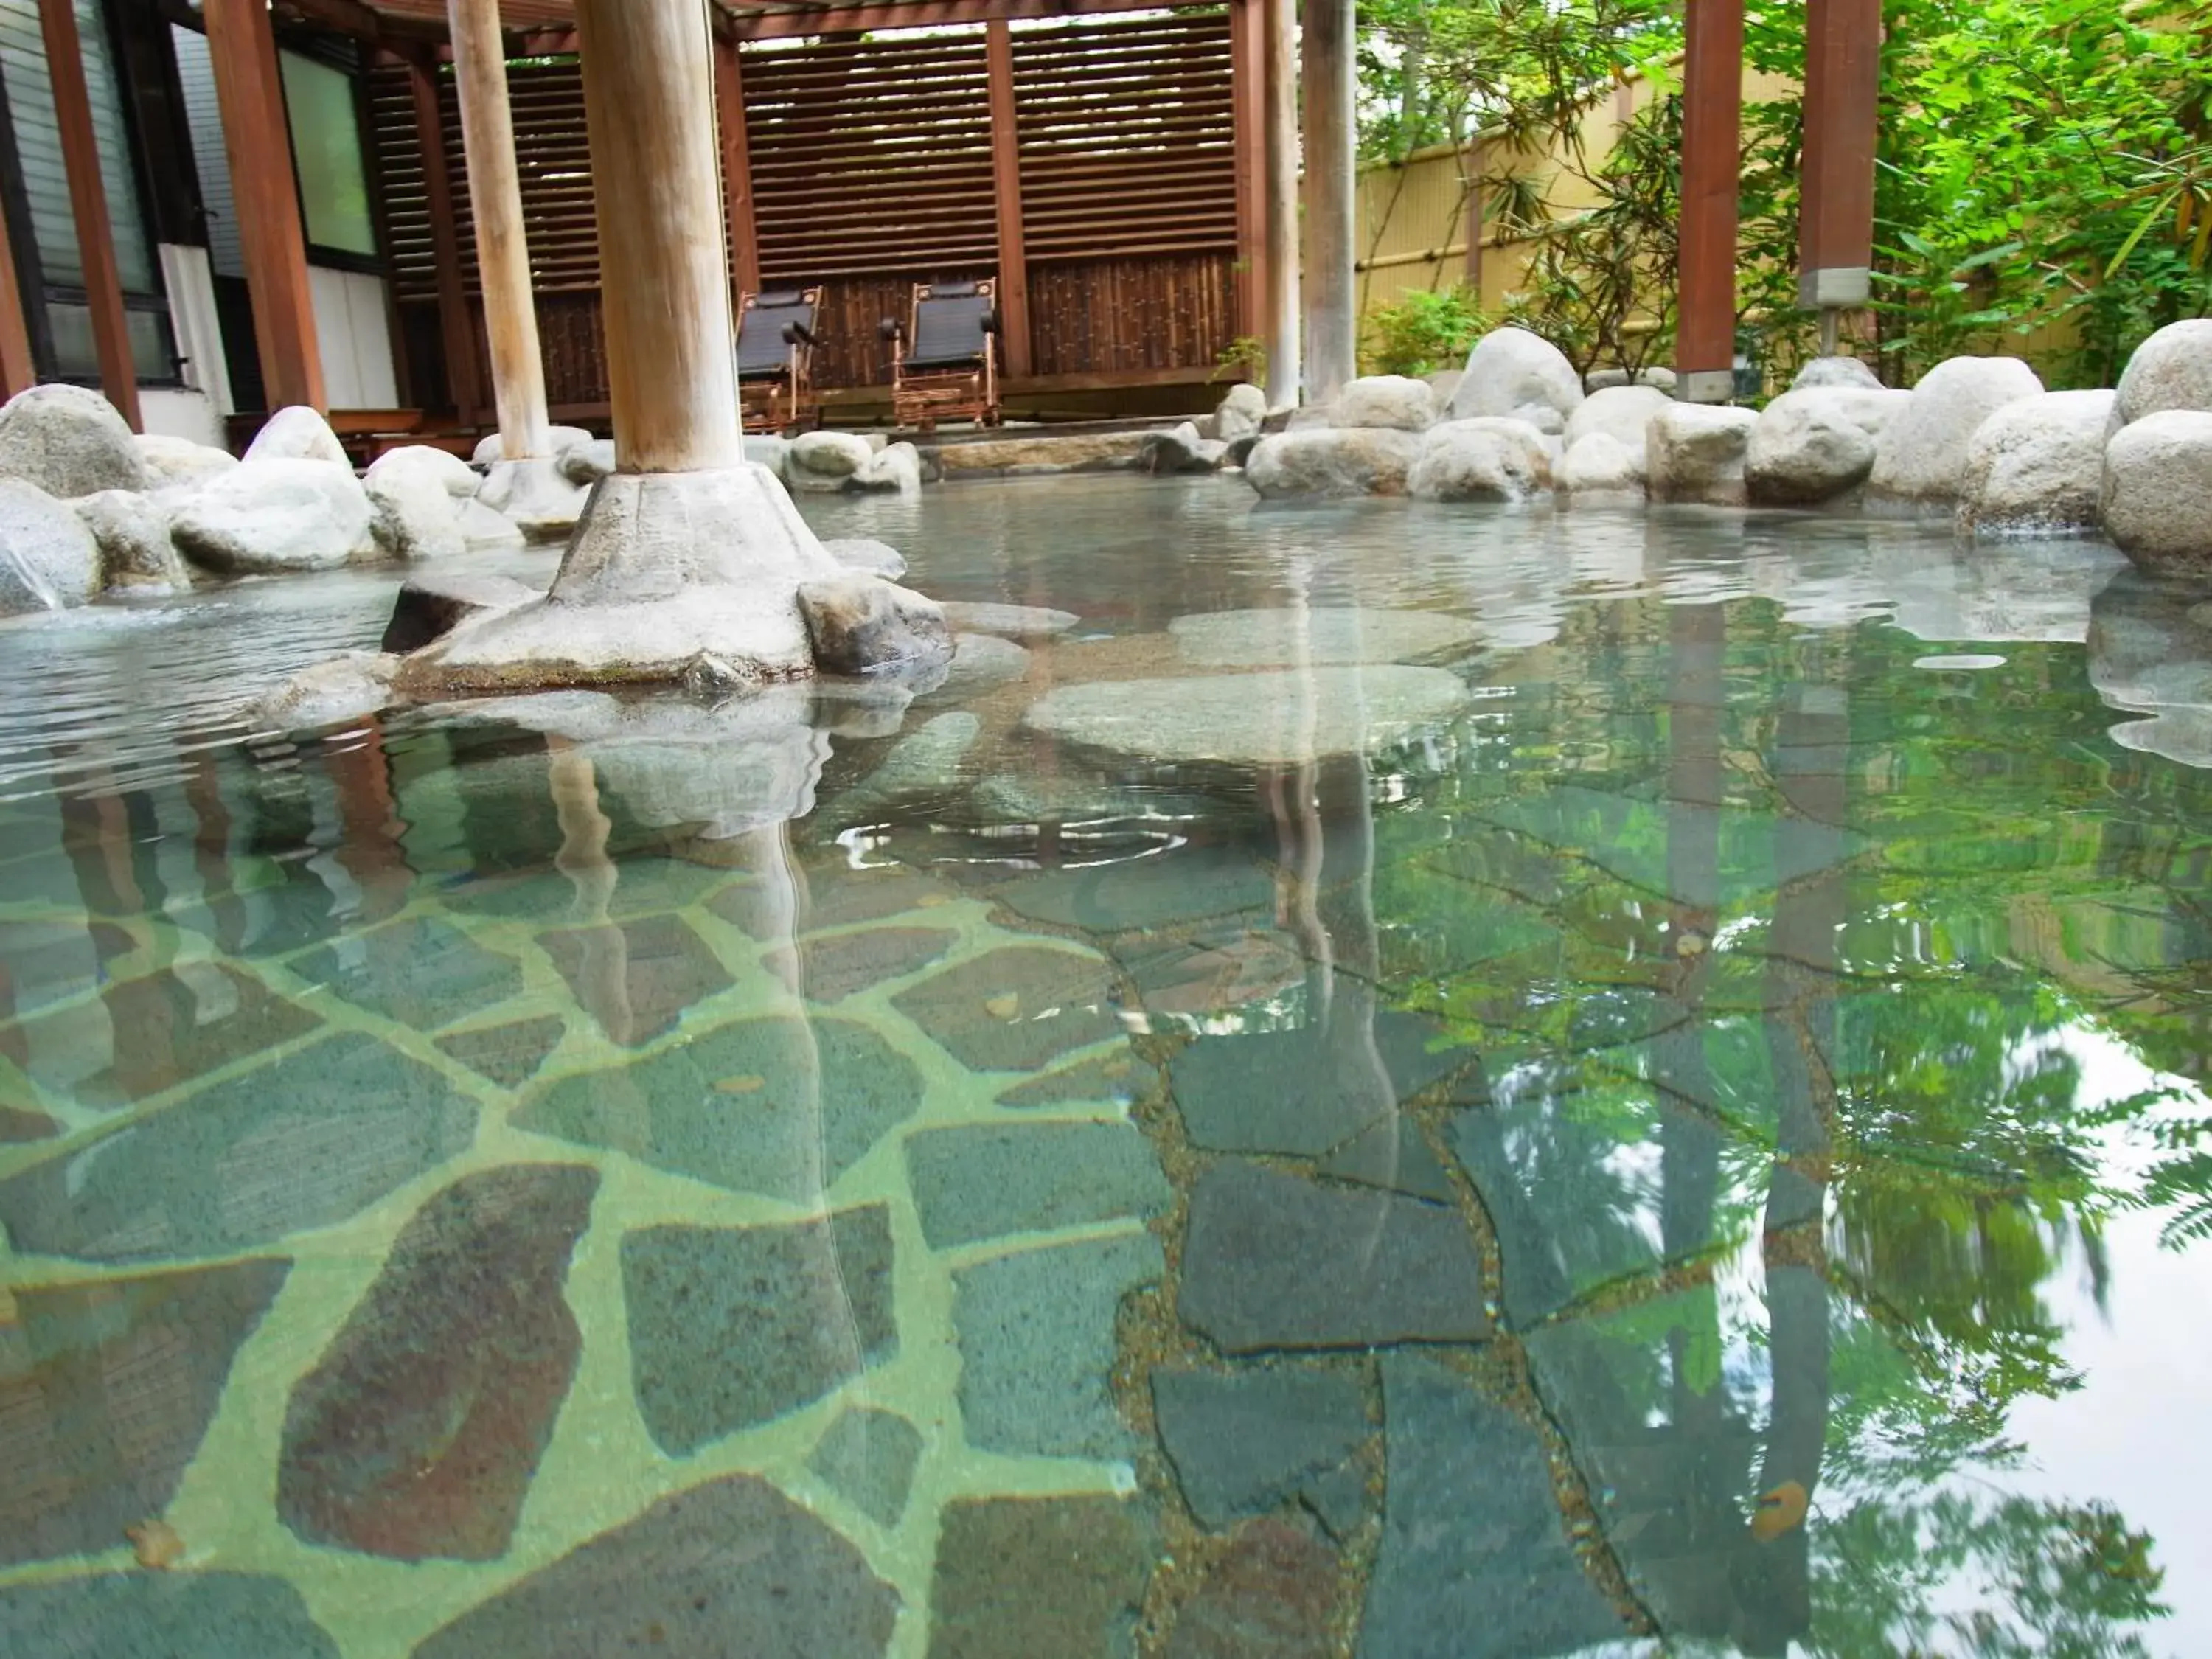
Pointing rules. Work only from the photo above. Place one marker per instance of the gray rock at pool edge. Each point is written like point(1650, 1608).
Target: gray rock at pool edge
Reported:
point(2173, 370)
point(825, 460)
point(2037, 467)
point(1695, 452)
point(1847, 373)
point(1475, 1561)
point(431, 605)
point(1622, 413)
point(859, 624)
point(1326, 461)
point(298, 434)
point(1811, 446)
point(587, 462)
point(1395, 402)
point(1031, 622)
point(1511, 372)
point(1180, 448)
point(1272, 1262)
point(48, 560)
point(135, 551)
point(1480, 459)
point(418, 494)
point(1600, 468)
point(2157, 504)
point(266, 516)
point(69, 440)
point(868, 556)
point(179, 460)
point(1242, 412)
point(1920, 460)
point(893, 469)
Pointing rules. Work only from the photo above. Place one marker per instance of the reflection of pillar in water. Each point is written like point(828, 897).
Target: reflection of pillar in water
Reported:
point(603, 979)
point(1810, 769)
point(371, 849)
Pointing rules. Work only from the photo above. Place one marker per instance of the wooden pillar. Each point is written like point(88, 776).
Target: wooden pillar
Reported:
point(95, 236)
point(1279, 145)
point(1331, 354)
point(1842, 91)
point(258, 142)
point(458, 329)
point(737, 167)
point(649, 107)
point(1006, 175)
point(518, 372)
point(1712, 118)
point(1248, 21)
point(19, 370)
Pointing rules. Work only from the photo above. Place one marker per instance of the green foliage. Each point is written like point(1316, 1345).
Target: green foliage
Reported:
point(1245, 356)
point(1426, 330)
point(2043, 178)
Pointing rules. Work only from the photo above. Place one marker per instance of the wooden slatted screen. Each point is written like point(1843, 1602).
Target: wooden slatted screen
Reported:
point(872, 170)
point(1127, 137)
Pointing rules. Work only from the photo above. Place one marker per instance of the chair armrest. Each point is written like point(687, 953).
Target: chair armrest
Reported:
point(798, 334)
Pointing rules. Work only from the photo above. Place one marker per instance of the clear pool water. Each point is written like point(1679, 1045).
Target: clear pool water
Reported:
point(1410, 1082)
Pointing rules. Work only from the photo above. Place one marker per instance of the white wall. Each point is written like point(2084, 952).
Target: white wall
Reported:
point(353, 328)
point(186, 414)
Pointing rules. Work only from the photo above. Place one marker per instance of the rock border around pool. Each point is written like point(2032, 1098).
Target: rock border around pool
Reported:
point(1978, 439)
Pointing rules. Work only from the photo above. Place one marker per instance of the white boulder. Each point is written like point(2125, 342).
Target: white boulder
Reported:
point(1622, 413)
point(1520, 375)
point(132, 530)
point(69, 441)
point(865, 553)
point(1920, 460)
point(535, 496)
point(895, 468)
point(1597, 465)
point(276, 516)
point(1605, 379)
point(48, 560)
point(820, 461)
point(2157, 504)
point(1695, 452)
point(1329, 461)
point(1838, 373)
point(2037, 467)
point(1180, 448)
point(297, 434)
point(344, 689)
point(561, 439)
point(418, 495)
point(179, 460)
point(1240, 414)
point(1814, 444)
point(1393, 402)
point(1486, 458)
point(2173, 370)
point(586, 463)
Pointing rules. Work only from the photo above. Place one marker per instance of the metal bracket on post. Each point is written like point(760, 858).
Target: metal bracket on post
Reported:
point(1706, 385)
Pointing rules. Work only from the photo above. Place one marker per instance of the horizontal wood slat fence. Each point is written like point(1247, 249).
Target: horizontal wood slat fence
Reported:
point(870, 164)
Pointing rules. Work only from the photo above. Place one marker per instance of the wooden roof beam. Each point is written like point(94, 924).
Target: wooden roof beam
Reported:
point(754, 22)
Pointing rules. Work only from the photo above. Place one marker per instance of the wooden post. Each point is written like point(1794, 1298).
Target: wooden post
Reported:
point(458, 329)
point(1279, 145)
point(1248, 21)
point(737, 167)
point(649, 107)
point(1331, 355)
point(1006, 175)
point(256, 138)
point(95, 237)
point(1842, 91)
point(518, 372)
point(1712, 118)
point(19, 370)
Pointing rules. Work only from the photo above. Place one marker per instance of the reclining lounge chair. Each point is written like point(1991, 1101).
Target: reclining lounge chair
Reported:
point(775, 359)
point(944, 360)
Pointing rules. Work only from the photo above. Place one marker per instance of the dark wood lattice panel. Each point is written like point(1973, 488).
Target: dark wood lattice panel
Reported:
point(1127, 137)
point(1114, 316)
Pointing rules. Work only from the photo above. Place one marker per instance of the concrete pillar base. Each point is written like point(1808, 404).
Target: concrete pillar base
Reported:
point(1706, 385)
point(671, 576)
